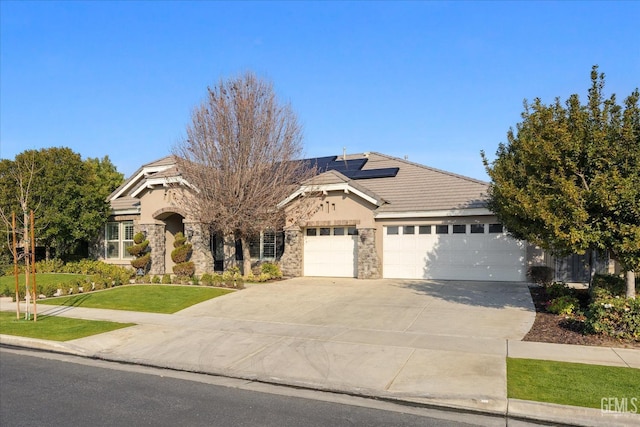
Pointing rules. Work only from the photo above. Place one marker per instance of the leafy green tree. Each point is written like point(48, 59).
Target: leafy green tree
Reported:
point(568, 179)
point(67, 194)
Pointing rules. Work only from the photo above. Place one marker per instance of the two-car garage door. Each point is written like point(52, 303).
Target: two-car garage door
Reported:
point(452, 252)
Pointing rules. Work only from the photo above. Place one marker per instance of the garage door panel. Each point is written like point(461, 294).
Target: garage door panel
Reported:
point(330, 256)
point(453, 257)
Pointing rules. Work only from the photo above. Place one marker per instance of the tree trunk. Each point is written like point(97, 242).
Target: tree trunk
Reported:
point(592, 266)
point(631, 284)
point(229, 251)
point(47, 252)
point(246, 257)
point(26, 245)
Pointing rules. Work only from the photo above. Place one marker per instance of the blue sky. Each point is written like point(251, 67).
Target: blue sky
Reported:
point(435, 81)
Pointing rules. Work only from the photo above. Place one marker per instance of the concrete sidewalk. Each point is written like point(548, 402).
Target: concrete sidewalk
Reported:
point(425, 343)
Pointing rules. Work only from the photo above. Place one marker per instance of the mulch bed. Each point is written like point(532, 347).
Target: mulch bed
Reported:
point(560, 329)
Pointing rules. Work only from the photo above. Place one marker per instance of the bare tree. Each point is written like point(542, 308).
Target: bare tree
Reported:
point(19, 175)
point(241, 156)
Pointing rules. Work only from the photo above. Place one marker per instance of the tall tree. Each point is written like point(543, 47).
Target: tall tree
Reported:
point(568, 179)
point(67, 194)
point(239, 155)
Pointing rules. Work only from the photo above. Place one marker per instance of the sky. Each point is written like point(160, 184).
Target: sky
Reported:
point(436, 82)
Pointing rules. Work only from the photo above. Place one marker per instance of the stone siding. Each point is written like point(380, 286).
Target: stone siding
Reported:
point(155, 234)
point(199, 237)
point(291, 261)
point(368, 261)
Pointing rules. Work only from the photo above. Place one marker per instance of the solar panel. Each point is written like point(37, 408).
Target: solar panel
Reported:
point(373, 173)
point(351, 168)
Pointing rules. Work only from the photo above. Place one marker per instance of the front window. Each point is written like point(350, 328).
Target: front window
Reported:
point(119, 236)
point(268, 245)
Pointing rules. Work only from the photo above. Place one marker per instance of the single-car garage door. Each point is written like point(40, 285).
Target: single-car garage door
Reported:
point(452, 252)
point(330, 252)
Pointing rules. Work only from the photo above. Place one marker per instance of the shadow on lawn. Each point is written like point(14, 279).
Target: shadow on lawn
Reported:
point(76, 301)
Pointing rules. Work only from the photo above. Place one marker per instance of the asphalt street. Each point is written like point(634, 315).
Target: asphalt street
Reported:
point(44, 389)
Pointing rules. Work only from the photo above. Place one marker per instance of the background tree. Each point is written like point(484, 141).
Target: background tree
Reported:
point(239, 156)
point(568, 179)
point(67, 194)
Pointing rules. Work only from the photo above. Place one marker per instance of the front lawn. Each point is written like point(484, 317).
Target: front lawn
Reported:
point(572, 384)
point(147, 298)
point(54, 327)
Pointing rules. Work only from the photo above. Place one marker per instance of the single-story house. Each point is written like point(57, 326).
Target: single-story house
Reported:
point(374, 216)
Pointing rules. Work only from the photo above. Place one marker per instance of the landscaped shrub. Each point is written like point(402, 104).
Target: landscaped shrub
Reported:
point(180, 255)
point(139, 251)
point(156, 279)
point(615, 316)
point(184, 269)
point(50, 266)
point(206, 279)
point(92, 267)
point(565, 304)
point(166, 279)
point(271, 269)
point(607, 284)
point(559, 289)
point(232, 278)
point(47, 289)
point(541, 274)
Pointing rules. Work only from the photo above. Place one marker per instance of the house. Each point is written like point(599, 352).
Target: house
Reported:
point(373, 216)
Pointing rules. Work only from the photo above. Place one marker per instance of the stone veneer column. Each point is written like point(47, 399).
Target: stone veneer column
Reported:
point(291, 261)
point(155, 234)
point(368, 261)
point(202, 257)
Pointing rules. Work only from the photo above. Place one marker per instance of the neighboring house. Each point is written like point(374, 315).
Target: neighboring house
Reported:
point(374, 216)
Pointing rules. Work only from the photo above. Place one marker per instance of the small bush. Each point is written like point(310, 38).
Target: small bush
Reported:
point(541, 274)
point(156, 279)
point(614, 316)
point(565, 304)
point(559, 289)
point(51, 266)
point(185, 269)
point(271, 269)
point(48, 289)
point(206, 279)
point(166, 279)
point(607, 284)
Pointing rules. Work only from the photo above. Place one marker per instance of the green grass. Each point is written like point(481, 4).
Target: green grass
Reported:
point(147, 298)
point(572, 384)
point(54, 328)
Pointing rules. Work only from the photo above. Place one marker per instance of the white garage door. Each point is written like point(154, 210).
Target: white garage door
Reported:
point(452, 252)
point(330, 252)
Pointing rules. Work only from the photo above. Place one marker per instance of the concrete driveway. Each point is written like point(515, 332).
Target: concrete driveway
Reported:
point(455, 309)
point(423, 340)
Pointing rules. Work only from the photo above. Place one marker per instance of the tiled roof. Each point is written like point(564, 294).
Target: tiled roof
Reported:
point(421, 188)
point(414, 188)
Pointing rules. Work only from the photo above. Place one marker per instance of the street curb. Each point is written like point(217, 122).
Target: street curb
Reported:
point(516, 409)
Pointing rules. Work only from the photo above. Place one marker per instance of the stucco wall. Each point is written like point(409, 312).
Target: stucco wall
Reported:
point(334, 209)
